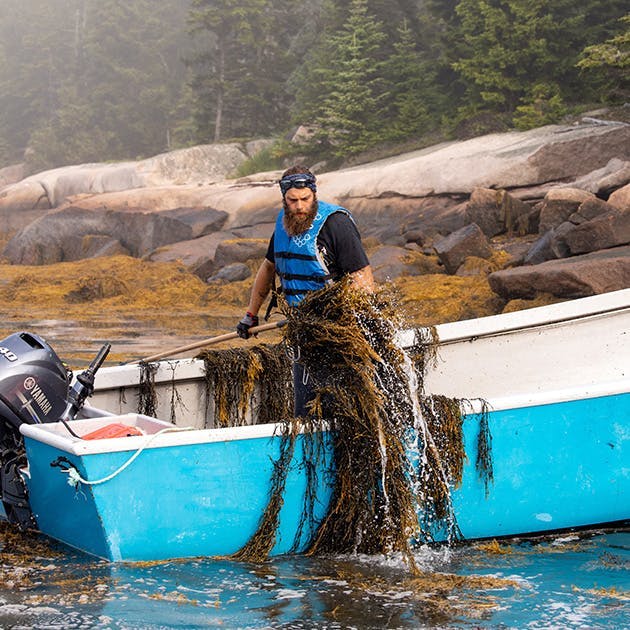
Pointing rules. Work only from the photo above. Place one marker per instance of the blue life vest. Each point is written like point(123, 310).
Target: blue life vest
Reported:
point(298, 261)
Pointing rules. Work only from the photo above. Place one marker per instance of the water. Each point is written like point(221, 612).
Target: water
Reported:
point(555, 582)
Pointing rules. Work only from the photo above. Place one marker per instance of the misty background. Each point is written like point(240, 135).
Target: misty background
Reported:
point(102, 80)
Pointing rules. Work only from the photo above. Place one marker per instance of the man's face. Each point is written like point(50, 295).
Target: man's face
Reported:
point(300, 208)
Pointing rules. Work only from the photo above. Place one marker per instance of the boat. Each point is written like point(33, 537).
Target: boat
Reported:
point(553, 383)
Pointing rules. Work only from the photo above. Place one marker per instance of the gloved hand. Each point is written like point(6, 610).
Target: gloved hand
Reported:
point(245, 324)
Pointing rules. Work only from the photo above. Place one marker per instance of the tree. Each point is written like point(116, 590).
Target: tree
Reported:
point(240, 66)
point(413, 97)
point(87, 80)
point(519, 51)
point(610, 62)
point(349, 110)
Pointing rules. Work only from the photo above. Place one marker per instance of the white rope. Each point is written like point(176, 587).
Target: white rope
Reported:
point(74, 478)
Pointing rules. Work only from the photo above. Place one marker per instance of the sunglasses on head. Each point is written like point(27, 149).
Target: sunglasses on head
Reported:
point(300, 180)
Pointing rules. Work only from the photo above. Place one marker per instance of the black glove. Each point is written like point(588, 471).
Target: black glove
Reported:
point(245, 324)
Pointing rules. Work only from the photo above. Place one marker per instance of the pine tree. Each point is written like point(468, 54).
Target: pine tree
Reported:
point(413, 98)
point(351, 106)
point(608, 64)
point(520, 53)
point(241, 66)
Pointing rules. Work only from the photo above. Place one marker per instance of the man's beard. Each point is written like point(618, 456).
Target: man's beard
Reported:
point(295, 224)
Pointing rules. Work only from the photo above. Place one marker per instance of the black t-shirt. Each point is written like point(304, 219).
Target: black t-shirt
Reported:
point(339, 243)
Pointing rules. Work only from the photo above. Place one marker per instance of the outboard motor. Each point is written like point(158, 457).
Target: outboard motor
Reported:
point(34, 388)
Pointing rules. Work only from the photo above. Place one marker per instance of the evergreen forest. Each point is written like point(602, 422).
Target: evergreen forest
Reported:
point(99, 80)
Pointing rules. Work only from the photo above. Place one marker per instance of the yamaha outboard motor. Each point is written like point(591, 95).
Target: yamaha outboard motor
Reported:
point(34, 388)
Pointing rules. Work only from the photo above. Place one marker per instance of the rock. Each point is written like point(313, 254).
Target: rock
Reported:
point(590, 209)
point(199, 165)
point(615, 174)
point(497, 212)
point(388, 219)
point(620, 199)
point(559, 204)
point(195, 254)
point(95, 246)
point(202, 220)
point(58, 235)
point(568, 278)
point(456, 247)
point(509, 160)
point(11, 174)
point(608, 230)
point(239, 250)
point(230, 273)
point(541, 250)
point(389, 262)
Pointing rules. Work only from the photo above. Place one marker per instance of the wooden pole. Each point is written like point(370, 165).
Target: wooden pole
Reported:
point(207, 342)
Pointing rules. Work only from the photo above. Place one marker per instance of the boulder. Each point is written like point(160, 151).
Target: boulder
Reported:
point(58, 235)
point(389, 262)
point(559, 204)
point(239, 250)
point(515, 159)
point(195, 254)
point(202, 220)
point(603, 232)
point(620, 199)
point(590, 209)
point(233, 272)
point(497, 212)
point(601, 181)
point(456, 247)
point(568, 278)
point(388, 219)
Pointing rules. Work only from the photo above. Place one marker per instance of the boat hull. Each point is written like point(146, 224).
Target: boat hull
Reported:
point(203, 497)
point(555, 380)
point(555, 466)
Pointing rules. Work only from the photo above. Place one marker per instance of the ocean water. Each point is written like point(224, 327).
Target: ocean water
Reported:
point(563, 581)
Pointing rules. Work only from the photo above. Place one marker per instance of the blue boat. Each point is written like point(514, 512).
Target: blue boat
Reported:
point(555, 380)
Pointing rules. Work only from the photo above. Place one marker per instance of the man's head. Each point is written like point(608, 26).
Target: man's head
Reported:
point(299, 199)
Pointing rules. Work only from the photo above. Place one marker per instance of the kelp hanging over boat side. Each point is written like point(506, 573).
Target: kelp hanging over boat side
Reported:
point(147, 396)
point(396, 454)
point(346, 341)
point(247, 383)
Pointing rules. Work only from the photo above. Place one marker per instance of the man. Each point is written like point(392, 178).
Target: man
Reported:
point(314, 243)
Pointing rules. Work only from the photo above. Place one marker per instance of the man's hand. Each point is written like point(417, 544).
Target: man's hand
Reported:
point(245, 324)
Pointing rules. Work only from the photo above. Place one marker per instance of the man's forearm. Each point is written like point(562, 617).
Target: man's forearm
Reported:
point(261, 287)
point(363, 279)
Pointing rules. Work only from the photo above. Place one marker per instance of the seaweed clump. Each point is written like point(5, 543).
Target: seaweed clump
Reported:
point(246, 383)
point(368, 397)
point(396, 453)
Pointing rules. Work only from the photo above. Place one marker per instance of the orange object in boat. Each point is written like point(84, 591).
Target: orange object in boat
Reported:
point(114, 430)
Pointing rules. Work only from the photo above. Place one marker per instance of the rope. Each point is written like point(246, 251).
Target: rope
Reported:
point(74, 477)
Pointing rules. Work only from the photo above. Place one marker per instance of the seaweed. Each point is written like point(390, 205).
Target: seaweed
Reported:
point(396, 453)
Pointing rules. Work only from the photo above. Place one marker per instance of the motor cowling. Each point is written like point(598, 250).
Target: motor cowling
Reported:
point(34, 388)
point(34, 382)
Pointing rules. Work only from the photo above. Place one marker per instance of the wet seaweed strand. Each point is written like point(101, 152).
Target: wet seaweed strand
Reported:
point(147, 396)
point(249, 383)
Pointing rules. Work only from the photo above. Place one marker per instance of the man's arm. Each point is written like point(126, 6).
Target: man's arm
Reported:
point(363, 279)
point(262, 286)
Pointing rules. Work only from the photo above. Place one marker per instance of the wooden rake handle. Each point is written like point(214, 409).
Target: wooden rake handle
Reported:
point(206, 342)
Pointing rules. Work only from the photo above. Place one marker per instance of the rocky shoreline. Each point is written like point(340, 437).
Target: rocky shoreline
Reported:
point(543, 211)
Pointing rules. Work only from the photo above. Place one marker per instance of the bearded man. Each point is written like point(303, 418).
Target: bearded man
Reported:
point(314, 243)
